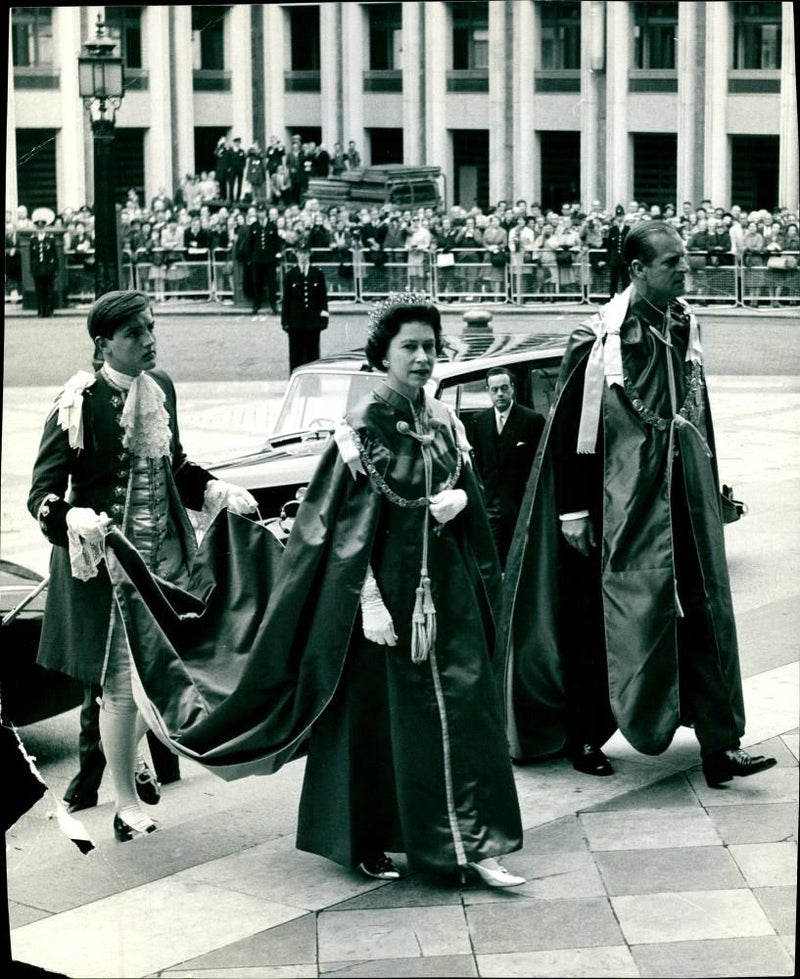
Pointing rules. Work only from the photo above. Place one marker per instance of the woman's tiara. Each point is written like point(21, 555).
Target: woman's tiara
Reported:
point(393, 301)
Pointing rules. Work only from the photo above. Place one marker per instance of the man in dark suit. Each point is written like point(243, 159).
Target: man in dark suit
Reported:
point(237, 160)
point(305, 307)
point(504, 441)
point(263, 251)
point(44, 265)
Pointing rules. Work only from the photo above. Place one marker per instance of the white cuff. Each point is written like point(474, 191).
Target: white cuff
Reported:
point(576, 515)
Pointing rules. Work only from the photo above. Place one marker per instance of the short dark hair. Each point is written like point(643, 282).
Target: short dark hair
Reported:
point(639, 241)
point(113, 310)
point(495, 371)
point(392, 319)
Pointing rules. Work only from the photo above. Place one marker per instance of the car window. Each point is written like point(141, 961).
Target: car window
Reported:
point(316, 397)
point(542, 388)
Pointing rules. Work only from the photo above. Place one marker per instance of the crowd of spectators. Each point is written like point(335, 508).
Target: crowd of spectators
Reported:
point(546, 250)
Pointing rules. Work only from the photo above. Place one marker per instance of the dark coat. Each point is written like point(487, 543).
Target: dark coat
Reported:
point(246, 705)
point(625, 485)
point(78, 613)
point(263, 243)
point(44, 256)
point(305, 300)
point(504, 461)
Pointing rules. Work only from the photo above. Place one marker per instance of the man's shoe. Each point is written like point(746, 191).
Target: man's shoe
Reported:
point(722, 766)
point(380, 867)
point(147, 787)
point(590, 760)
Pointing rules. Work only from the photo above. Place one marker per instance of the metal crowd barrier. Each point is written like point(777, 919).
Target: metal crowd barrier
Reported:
point(770, 282)
point(460, 275)
point(711, 278)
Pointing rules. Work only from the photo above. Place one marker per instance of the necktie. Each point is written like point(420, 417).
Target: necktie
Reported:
point(501, 420)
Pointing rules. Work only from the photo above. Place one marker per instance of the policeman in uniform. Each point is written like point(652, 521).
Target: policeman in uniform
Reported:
point(263, 251)
point(44, 265)
point(305, 307)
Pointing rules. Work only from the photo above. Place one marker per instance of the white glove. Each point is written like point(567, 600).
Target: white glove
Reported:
point(375, 619)
point(90, 526)
point(235, 498)
point(447, 504)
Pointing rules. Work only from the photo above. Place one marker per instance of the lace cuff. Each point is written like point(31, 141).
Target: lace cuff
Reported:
point(84, 557)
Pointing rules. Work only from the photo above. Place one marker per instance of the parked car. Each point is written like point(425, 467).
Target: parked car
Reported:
point(28, 692)
point(319, 394)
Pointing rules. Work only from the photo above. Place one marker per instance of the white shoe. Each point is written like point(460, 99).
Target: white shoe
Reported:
point(494, 874)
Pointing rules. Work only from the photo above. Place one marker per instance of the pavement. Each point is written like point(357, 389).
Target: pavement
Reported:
point(646, 873)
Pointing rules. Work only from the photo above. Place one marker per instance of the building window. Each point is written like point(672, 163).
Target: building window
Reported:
point(560, 153)
point(125, 27)
point(304, 28)
point(561, 35)
point(655, 168)
point(756, 35)
point(208, 38)
point(470, 36)
point(655, 35)
point(385, 36)
point(32, 36)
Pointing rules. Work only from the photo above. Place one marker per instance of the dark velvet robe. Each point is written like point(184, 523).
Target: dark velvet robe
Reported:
point(641, 501)
point(242, 668)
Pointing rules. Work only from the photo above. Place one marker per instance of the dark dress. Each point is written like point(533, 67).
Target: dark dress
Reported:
point(411, 756)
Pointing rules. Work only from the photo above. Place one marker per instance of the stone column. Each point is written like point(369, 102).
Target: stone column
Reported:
point(182, 91)
point(330, 23)
point(438, 145)
point(592, 76)
point(12, 193)
point(413, 83)
point(71, 176)
point(691, 85)
point(501, 134)
point(275, 41)
point(716, 183)
point(788, 174)
point(158, 145)
point(237, 31)
point(619, 171)
point(353, 65)
point(522, 66)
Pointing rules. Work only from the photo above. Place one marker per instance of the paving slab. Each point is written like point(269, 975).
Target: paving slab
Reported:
point(572, 963)
point(285, 874)
point(414, 891)
point(764, 823)
point(766, 863)
point(392, 933)
point(693, 868)
point(175, 920)
point(560, 834)
point(667, 793)
point(780, 906)
point(690, 916)
point(291, 944)
point(777, 784)
point(649, 828)
point(792, 742)
point(530, 925)
point(549, 876)
point(718, 957)
point(259, 972)
point(434, 965)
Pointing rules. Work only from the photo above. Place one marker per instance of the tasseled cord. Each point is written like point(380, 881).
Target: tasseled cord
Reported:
point(423, 619)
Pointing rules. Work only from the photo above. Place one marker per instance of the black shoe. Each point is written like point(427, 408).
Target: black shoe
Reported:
point(380, 867)
point(254, 310)
point(147, 787)
point(722, 766)
point(124, 831)
point(590, 760)
point(75, 805)
point(273, 310)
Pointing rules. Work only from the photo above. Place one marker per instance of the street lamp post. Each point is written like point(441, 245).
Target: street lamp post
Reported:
point(101, 86)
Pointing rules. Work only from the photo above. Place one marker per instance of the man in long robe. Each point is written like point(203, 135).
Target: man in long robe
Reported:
point(617, 600)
